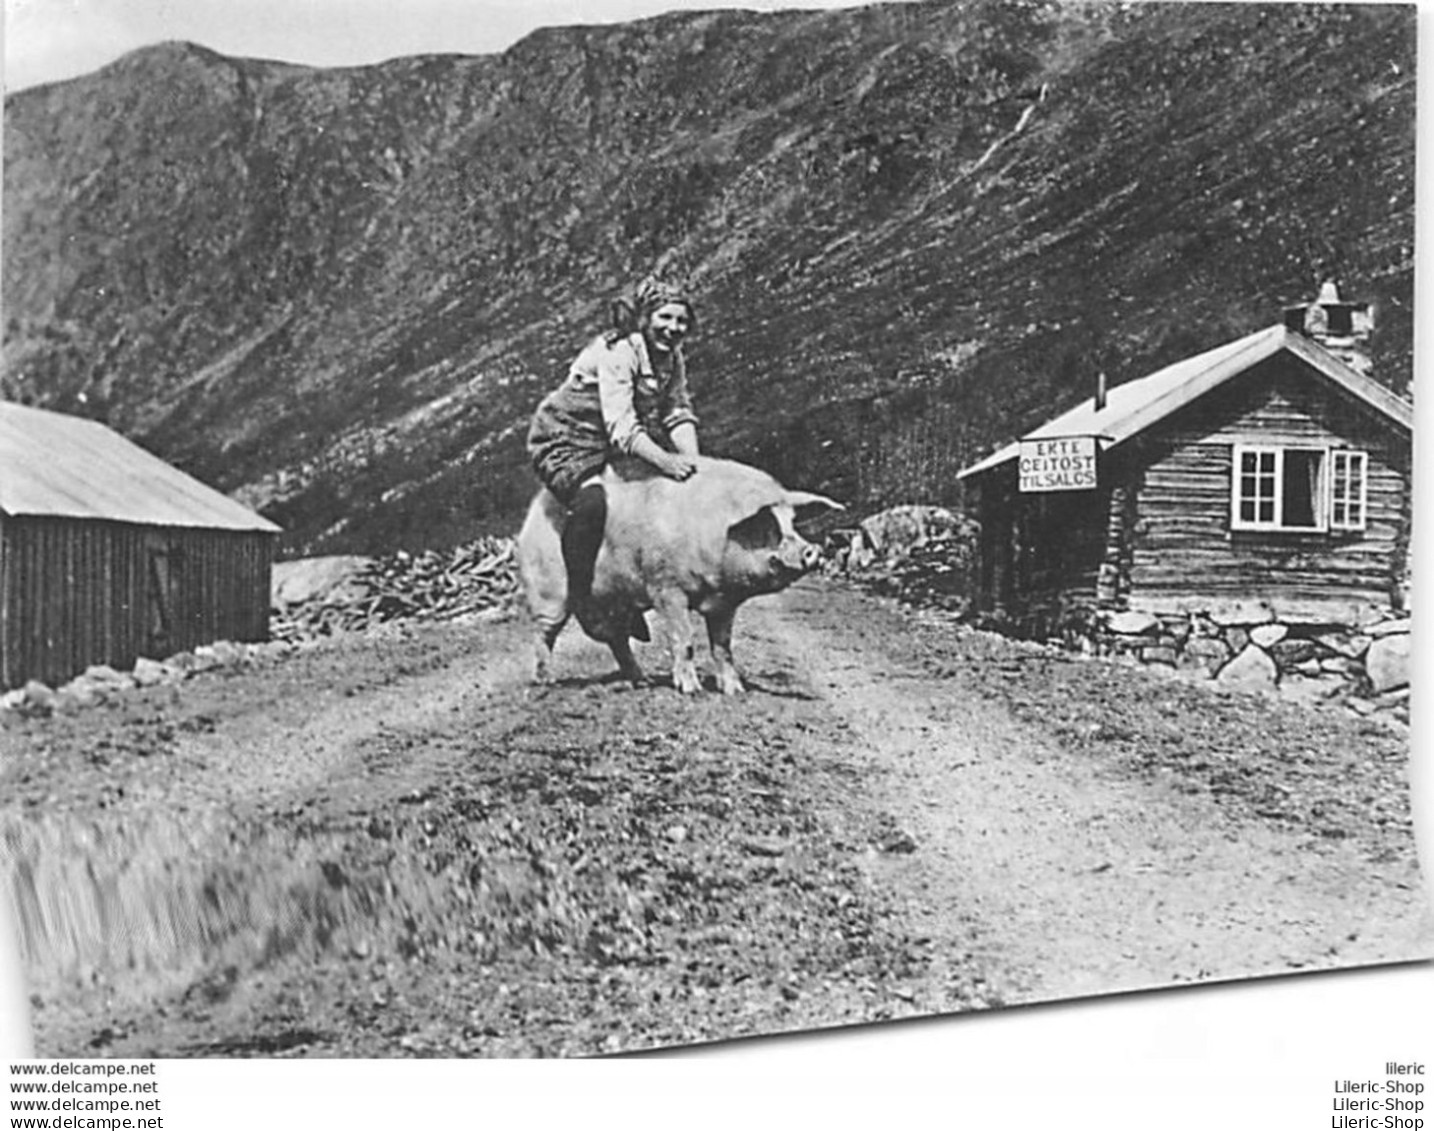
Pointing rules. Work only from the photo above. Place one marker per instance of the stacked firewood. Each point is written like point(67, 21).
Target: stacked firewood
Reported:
point(472, 578)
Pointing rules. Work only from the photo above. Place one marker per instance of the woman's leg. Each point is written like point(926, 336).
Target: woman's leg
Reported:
point(582, 538)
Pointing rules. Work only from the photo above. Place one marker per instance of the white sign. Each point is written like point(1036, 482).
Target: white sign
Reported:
point(1065, 463)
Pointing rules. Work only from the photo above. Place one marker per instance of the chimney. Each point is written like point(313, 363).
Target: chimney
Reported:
point(1100, 390)
point(1341, 327)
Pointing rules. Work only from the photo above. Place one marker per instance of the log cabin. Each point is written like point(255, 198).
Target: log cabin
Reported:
point(1271, 472)
point(107, 553)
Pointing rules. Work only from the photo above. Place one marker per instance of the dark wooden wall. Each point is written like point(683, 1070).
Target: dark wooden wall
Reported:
point(1182, 544)
point(79, 592)
point(1038, 552)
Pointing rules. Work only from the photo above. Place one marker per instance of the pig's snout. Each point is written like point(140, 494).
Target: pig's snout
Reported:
point(797, 557)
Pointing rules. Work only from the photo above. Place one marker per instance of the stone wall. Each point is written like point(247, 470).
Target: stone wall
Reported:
point(1365, 666)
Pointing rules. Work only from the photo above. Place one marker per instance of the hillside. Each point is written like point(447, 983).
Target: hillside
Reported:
point(917, 229)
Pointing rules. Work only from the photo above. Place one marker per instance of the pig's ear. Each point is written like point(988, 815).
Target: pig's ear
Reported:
point(759, 531)
point(809, 506)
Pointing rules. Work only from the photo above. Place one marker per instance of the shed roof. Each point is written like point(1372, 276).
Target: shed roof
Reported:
point(1135, 406)
point(68, 467)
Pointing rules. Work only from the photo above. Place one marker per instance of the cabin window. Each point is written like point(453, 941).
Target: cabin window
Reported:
point(1347, 490)
point(1297, 489)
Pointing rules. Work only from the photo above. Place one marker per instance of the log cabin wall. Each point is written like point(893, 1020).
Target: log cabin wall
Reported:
point(1184, 550)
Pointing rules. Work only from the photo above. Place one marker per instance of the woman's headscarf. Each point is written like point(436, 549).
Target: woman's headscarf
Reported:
point(653, 293)
point(628, 315)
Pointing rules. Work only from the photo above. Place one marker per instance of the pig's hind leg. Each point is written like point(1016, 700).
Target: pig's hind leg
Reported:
point(548, 607)
point(549, 626)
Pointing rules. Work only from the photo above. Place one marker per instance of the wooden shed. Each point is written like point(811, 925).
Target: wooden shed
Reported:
point(108, 553)
point(1272, 470)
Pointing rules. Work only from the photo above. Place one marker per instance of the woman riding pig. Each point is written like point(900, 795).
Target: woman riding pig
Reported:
point(625, 394)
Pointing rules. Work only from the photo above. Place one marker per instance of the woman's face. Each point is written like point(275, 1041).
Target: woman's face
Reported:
point(668, 325)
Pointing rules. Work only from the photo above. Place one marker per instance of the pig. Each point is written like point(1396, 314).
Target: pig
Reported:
point(706, 543)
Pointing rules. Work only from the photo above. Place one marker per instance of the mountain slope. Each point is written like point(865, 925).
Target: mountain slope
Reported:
point(916, 230)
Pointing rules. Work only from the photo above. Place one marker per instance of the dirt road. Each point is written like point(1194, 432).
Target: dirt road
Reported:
point(392, 845)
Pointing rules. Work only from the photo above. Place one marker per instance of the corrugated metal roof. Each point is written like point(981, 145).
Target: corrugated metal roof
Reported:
point(1136, 405)
point(65, 466)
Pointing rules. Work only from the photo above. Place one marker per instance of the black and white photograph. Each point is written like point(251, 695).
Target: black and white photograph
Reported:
point(571, 530)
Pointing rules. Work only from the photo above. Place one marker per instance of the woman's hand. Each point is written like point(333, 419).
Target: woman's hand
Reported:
point(676, 466)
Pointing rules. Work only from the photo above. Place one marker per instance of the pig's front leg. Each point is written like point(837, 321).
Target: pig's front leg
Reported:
point(719, 634)
point(673, 611)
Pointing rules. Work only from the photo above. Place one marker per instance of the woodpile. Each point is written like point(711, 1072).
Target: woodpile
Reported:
point(478, 576)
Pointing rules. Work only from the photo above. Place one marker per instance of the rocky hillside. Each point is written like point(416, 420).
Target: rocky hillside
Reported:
point(917, 229)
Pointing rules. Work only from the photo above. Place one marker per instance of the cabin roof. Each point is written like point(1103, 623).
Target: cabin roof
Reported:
point(54, 465)
point(1136, 405)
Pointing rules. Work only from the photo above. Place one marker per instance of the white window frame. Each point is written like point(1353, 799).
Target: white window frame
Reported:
point(1351, 457)
point(1277, 522)
point(1237, 496)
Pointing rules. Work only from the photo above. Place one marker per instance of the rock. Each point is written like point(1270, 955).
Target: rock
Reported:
point(1369, 615)
point(182, 663)
point(1132, 623)
point(1391, 627)
point(1204, 626)
point(1251, 670)
point(1391, 699)
point(1387, 662)
point(1309, 667)
point(1237, 638)
point(205, 658)
point(1159, 655)
point(1291, 653)
point(1299, 689)
point(1353, 645)
point(148, 672)
point(37, 699)
point(764, 846)
point(1178, 628)
point(1338, 665)
point(309, 579)
point(1203, 653)
point(82, 692)
point(894, 532)
point(102, 675)
point(75, 697)
point(228, 653)
point(1266, 635)
point(1123, 642)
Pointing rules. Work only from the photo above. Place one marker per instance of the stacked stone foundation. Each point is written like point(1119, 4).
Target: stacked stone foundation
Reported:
point(1363, 666)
